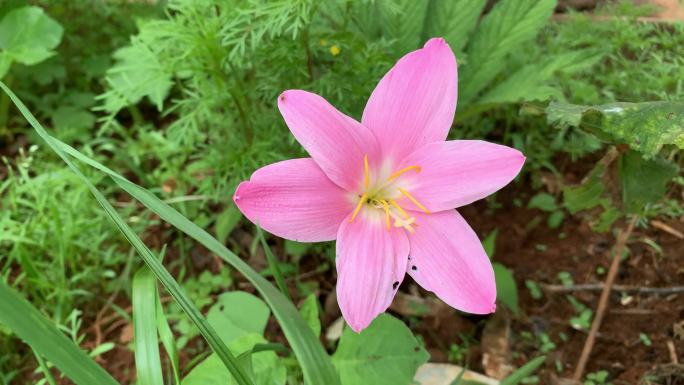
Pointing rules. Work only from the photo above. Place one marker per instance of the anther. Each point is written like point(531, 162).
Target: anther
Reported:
point(415, 202)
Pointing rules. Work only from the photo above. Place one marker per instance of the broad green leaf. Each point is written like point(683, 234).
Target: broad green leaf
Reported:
point(506, 290)
point(313, 359)
point(385, 353)
point(524, 371)
point(454, 20)
point(43, 336)
point(402, 20)
point(148, 257)
point(510, 24)
point(147, 360)
point(236, 314)
point(28, 35)
point(309, 311)
point(645, 127)
point(643, 180)
point(266, 368)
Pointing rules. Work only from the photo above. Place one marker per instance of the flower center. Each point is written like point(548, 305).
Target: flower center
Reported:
point(380, 197)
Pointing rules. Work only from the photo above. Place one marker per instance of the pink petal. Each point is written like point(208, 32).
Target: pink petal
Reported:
point(335, 141)
point(414, 103)
point(458, 172)
point(371, 263)
point(294, 199)
point(448, 259)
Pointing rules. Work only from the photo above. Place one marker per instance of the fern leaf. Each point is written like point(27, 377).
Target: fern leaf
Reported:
point(402, 21)
point(454, 20)
point(530, 81)
point(505, 29)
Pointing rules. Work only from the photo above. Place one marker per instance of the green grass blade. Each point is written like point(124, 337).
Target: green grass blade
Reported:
point(524, 371)
point(147, 360)
point(313, 359)
point(166, 337)
point(273, 264)
point(150, 259)
point(31, 326)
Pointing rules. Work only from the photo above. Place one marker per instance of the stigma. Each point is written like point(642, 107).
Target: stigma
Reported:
point(381, 196)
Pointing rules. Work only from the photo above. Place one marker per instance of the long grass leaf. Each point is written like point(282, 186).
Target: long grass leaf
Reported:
point(313, 359)
point(147, 360)
point(150, 259)
point(273, 264)
point(524, 371)
point(43, 336)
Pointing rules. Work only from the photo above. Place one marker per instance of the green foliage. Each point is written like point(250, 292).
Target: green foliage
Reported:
point(646, 127)
point(236, 314)
point(384, 353)
point(524, 371)
point(506, 289)
point(509, 25)
point(240, 319)
point(455, 20)
point(643, 181)
point(44, 337)
point(27, 36)
point(147, 358)
point(309, 311)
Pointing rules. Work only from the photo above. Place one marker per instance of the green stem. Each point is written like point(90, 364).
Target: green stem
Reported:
point(44, 368)
point(273, 264)
point(4, 110)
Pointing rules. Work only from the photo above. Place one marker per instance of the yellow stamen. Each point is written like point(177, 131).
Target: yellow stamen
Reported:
point(401, 210)
point(358, 206)
point(366, 176)
point(415, 202)
point(387, 213)
point(403, 170)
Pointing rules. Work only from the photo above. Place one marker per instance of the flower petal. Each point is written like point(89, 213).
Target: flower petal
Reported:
point(371, 263)
point(415, 101)
point(458, 172)
point(448, 259)
point(335, 141)
point(294, 199)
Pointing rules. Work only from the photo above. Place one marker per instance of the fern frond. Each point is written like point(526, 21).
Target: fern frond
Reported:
point(505, 29)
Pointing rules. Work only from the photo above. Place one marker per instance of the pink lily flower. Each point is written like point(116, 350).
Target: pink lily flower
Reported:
point(386, 189)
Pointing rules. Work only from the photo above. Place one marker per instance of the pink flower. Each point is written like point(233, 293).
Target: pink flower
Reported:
point(386, 189)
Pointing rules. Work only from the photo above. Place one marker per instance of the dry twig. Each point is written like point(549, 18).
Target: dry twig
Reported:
point(624, 288)
point(603, 301)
